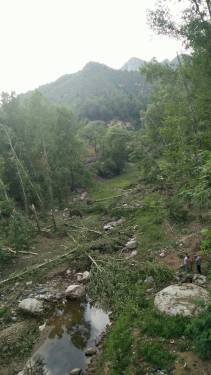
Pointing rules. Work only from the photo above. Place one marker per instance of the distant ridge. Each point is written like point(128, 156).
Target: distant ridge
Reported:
point(98, 92)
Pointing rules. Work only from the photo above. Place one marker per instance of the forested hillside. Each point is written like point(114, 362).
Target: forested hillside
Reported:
point(100, 93)
point(105, 190)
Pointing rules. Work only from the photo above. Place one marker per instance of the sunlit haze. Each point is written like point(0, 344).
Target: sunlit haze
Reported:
point(44, 39)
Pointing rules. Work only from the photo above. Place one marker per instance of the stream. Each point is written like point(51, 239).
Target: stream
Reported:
point(72, 329)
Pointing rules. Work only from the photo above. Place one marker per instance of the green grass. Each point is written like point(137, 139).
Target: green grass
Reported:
point(156, 355)
point(155, 324)
point(112, 187)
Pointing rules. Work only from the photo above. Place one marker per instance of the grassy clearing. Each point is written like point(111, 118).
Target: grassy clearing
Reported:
point(112, 187)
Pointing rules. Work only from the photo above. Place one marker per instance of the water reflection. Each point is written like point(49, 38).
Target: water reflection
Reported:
point(72, 329)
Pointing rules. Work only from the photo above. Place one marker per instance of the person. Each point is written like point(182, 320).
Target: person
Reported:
point(186, 263)
point(198, 263)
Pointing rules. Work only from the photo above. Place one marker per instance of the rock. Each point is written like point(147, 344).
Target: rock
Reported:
point(180, 299)
point(28, 283)
point(76, 371)
point(86, 275)
point(84, 196)
point(68, 272)
point(75, 291)
point(66, 213)
point(132, 254)
point(79, 276)
point(42, 327)
point(31, 306)
point(112, 224)
point(131, 244)
point(90, 351)
point(186, 278)
point(199, 279)
point(51, 296)
point(149, 280)
point(108, 227)
point(162, 254)
point(83, 276)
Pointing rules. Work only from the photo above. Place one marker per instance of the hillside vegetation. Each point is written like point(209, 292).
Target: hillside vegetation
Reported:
point(100, 93)
point(77, 185)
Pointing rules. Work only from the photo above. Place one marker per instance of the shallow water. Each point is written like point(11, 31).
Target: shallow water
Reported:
point(72, 329)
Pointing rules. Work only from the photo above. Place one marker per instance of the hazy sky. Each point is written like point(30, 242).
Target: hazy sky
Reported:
point(41, 40)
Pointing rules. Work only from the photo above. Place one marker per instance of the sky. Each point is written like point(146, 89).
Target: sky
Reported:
point(41, 40)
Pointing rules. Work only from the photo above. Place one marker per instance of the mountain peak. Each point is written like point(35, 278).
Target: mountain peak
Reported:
point(133, 64)
point(92, 65)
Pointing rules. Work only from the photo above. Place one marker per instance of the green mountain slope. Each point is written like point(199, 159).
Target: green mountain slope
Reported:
point(100, 93)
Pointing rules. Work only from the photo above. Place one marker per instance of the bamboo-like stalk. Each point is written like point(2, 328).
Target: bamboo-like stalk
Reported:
point(20, 168)
point(4, 190)
point(32, 269)
point(36, 217)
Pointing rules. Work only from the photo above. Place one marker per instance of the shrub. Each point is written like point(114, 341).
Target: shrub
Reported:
point(200, 332)
point(154, 354)
point(155, 324)
point(20, 231)
point(206, 242)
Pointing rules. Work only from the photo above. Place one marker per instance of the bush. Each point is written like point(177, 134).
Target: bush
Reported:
point(206, 242)
point(108, 169)
point(154, 354)
point(155, 324)
point(178, 210)
point(6, 208)
point(20, 231)
point(200, 332)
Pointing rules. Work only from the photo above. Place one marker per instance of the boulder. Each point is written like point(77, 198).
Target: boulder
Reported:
point(90, 351)
point(75, 291)
point(181, 299)
point(31, 306)
point(200, 280)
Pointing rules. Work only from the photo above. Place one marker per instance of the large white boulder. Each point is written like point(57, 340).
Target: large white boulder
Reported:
point(31, 306)
point(75, 291)
point(181, 299)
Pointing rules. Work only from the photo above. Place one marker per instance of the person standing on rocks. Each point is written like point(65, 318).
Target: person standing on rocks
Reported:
point(198, 264)
point(186, 263)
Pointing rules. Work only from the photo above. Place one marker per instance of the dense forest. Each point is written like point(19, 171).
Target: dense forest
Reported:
point(98, 124)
